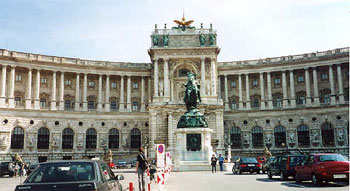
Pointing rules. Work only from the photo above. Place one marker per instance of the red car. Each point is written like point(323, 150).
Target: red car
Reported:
point(328, 167)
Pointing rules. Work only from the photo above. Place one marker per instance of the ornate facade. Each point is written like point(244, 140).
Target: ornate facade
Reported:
point(62, 108)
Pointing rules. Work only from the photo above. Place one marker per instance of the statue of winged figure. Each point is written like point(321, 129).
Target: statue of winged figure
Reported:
point(183, 23)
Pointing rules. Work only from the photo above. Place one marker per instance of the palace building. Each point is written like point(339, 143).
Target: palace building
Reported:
point(54, 108)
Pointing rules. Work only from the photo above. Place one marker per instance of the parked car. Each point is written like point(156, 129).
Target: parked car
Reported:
point(32, 167)
point(72, 176)
point(4, 169)
point(261, 159)
point(246, 164)
point(122, 164)
point(266, 165)
point(284, 166)
point(323, 167)
point(133, 164)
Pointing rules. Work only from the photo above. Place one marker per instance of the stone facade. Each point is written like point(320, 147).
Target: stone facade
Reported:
point(118, 106)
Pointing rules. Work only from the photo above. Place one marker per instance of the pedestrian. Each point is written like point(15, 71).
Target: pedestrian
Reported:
point(11, 169)
point(213, 163)
point(24, 169)
point(16, 170)
point(221, 162)
point(141, 167)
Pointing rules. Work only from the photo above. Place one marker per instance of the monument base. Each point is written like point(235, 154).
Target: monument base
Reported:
point(193, 149)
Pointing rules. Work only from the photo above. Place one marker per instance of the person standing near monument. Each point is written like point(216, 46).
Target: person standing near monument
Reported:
point(213, 163)
point(141, 167)
point(221, 162)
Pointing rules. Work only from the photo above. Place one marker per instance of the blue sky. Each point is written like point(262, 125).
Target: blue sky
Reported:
point(119, 30)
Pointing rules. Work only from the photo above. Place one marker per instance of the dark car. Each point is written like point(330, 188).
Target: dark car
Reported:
point(133, 164)
point(266, 165)
point(4, 169)
point(323, 167)
point(284, 166)
point(246, 164)
point(72, 176)
point(122, 164)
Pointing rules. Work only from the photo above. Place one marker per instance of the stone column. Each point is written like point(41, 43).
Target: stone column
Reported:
point(247, 86)
point(121, 101)
point(143, 106)
point(77, 93)
point(62, 92)
point(213, 77)
point(227, 108)
point(3, 88)
point(53, 91)
point(340, 85)
point(284, 87)
point(99, 102)
point(315, 82)
point(331, 81)
point(170, 131)
point(149, 91)
point(219, 87)
point(262, 91)
point(240, 91)
point(107, 104)
point(203, 76)
point(171, 90)
point(85, 84)
point(152, 132)
point(12, 88)
point(269, 91)
point(29, 90)
point(37, 92)
point(307, 84)
point(166, 78)
point(155, 86)
point(128, 94)
point(292, 92)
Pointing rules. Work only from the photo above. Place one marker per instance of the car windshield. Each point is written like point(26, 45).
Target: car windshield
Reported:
point(335, 157)
point(247, 160)
point(63, 172)
point(296, 159)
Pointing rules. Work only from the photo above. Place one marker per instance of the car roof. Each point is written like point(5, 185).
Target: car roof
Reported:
point(325, 154)
point(72, 161)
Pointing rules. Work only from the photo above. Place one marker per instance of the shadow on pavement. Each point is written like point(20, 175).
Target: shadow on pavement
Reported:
point(243, 174)
point(310, 185)
point(273, 180)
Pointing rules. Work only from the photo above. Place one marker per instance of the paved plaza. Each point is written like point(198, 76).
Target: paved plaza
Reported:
point(207, 181)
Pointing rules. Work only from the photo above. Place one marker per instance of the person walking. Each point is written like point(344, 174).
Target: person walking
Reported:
point(221, 162)
point(213, 163)
point(141, 167)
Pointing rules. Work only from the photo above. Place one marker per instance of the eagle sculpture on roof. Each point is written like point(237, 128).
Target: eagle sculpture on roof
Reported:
point(183, 22)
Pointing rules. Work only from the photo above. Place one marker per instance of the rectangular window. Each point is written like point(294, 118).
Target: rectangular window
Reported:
point(43, 80)
point(18, 78)
point(255, 83)
point(233, 84)
point(278, 102)
point(277, 82)
point(67, 105)
point(324, 76)
point(234, 105)
point(135, 85)
point(42, 103)
point(17, 101)
point(300, 79)
point(91, 83)
point(91, 105)
point(114, 85)
point(68, 82)
point(113, 106)
point(135, 106)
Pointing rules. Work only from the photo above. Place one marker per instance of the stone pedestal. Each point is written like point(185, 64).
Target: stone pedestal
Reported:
point(193, 160)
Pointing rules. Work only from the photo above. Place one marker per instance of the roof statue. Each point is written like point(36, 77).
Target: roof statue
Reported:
point(183, 24)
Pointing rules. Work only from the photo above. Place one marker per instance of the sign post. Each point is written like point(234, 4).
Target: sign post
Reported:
point(160, 155)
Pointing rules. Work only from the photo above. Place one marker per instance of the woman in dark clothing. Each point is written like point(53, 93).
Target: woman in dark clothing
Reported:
point(213, 163)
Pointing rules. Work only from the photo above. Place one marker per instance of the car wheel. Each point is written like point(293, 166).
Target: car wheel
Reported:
point(263, 171)
point(258, 172)
point(283, 176)
point(315, 180)
point(297, 179)
point(269, 174)
point(239, 172)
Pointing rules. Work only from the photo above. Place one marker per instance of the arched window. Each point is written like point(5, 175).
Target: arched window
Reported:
point(67, 138)
point(303, 135)
point(17, 138)
point(135, 138)
point(113, 139)
point(91, 138)
point(183, 72)
point(236, 137)
point(257, 137)
point(280, 135)
point(327, 134)
point(43, 138)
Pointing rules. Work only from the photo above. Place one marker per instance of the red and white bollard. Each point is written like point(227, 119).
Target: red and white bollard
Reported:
point(131, 187)
point(148, 180)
